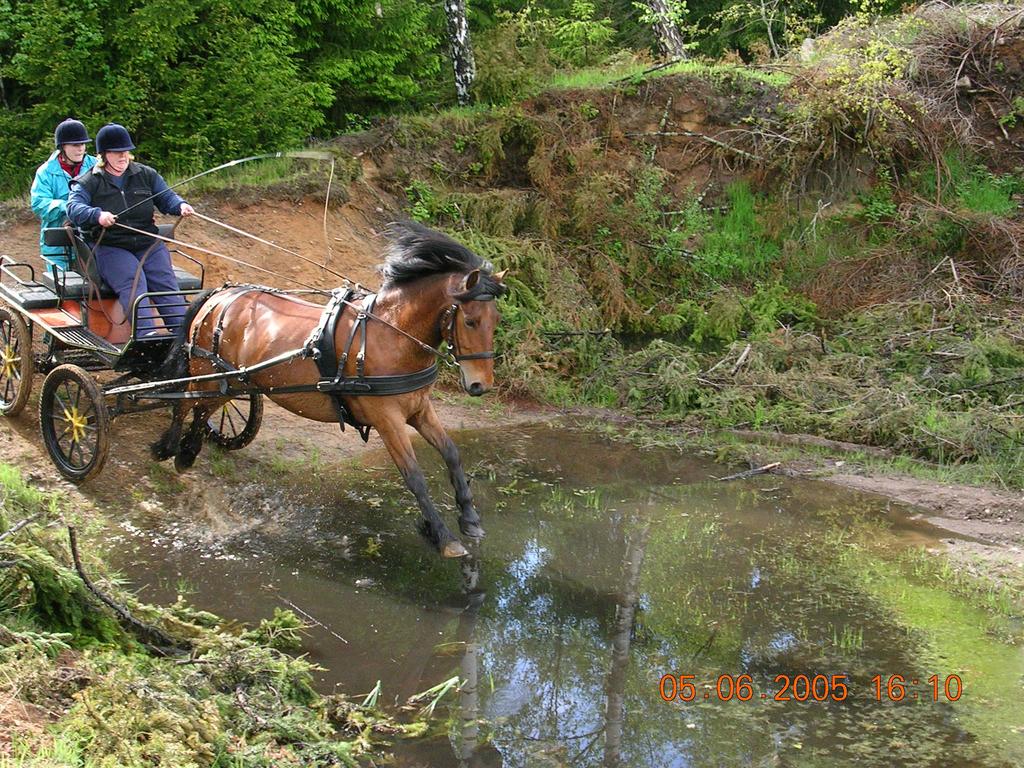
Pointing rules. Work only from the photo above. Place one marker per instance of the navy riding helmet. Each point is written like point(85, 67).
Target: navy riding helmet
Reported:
point(70, 131)
point(113, 138)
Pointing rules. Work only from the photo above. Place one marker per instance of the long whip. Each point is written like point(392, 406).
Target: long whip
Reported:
point(258, 239)
point(357, 307)
point(308, 154)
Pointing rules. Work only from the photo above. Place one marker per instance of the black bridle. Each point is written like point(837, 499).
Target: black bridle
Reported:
point(449, 331)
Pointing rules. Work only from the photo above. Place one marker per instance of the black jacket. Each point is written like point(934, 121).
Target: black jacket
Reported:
point(93, 192)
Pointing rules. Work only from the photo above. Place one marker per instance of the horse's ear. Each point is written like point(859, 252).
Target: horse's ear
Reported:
point(500, 276)
point(469, 281)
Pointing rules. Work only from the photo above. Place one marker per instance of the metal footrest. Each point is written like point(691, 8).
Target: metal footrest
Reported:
point(80, 336)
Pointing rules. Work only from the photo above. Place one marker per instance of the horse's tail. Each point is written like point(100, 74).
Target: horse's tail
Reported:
point(175, 365)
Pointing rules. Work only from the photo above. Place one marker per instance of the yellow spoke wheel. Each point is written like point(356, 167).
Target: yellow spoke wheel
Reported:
point(16, 365)
point(75, 423)
point(234, 425)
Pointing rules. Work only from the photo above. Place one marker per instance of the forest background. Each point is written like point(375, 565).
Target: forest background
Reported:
point(204, 81)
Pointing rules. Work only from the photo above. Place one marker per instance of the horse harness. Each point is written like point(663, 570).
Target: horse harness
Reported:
point(321, 347)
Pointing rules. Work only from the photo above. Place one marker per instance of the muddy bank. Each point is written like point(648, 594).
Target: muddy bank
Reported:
point(285, 442)
point(986, 524)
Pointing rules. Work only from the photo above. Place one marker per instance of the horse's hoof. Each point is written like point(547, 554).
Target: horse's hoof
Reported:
point(159, 452)
point(471, 530)
point(454, 549)
point(182, 462)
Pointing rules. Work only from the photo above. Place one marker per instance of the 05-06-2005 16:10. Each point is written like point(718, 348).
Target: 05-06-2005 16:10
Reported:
point(800, 688)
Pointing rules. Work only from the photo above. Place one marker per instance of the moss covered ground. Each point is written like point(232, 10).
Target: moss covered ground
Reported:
point(83, 685)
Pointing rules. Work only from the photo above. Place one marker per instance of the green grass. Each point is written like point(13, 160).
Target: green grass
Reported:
point(20, 500)
point(601, 77)
point(736, 247)
point(719, 72)
point(222, 462)
point(967, 184)
point(259, 174)
point(61, 752)
point(165, 479)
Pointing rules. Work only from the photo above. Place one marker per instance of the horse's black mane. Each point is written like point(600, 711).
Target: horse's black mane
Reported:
point(417, 251)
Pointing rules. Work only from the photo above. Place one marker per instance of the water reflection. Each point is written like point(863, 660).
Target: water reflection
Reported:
point(629, 596)
point(604, 569)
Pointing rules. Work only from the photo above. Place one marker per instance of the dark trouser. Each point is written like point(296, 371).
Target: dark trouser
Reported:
point(119, 269)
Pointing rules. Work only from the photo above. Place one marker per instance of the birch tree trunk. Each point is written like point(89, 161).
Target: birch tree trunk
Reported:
point(669, 37)
point(460, 48)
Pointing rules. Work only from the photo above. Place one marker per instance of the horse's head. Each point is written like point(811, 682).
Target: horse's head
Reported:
point(468, 327)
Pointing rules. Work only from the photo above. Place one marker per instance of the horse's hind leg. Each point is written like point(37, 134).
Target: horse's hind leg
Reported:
point(429, 425)
point(192, 442)
point(400, 448)
point(170, 440)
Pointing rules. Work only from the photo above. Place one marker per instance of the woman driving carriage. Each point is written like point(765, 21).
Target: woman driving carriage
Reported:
point(114, 204)
point(51, 184)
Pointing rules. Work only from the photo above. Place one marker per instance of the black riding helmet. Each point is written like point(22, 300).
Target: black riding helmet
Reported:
point(70, 131)
point(113, 138)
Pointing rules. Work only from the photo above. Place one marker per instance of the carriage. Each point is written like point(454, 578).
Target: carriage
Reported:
point(216, 358)
point(69, 325)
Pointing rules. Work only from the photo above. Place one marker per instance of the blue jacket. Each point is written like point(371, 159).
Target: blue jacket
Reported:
point(50, 201)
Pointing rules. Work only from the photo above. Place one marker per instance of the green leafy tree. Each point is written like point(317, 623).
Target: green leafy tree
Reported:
point(195, 81)
point(237, 88)
point(581, 38)
point(370, 55)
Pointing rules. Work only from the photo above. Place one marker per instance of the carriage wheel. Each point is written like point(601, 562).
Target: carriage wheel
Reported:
point(234, 425)
point(16, 366)
point(74, 421)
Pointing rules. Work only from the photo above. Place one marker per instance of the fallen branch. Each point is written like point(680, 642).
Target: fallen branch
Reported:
point(742, 359)
point(751, 472)
point(152, 637)
point(702, 137)
point(18, 526)
point(243, 704)
point(311, 618)
point(783, 438)
point(569, 334)
point(655, 68)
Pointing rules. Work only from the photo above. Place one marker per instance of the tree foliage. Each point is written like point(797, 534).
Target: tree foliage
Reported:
point(202, 81)
point(198, 81)
point(370, 55)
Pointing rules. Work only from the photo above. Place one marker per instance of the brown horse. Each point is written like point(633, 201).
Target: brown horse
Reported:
point(434, 289)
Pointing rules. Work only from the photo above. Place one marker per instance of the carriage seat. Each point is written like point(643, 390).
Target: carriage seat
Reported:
point(73, 283)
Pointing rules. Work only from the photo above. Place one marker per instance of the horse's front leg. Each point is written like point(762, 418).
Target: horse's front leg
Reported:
point(192, 441)
point(428, 425)
point(400, 447)
point(170, 440)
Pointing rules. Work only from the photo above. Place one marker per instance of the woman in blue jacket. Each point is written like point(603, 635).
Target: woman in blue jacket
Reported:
point(50, 186)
